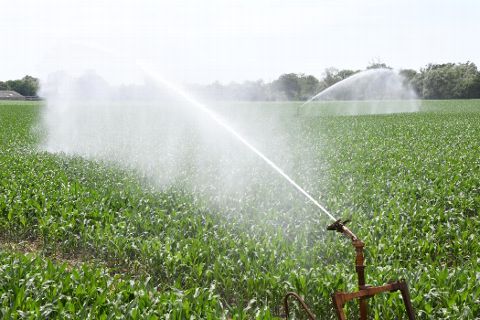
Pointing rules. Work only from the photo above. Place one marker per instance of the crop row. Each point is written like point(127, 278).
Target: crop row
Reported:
point(410, 183)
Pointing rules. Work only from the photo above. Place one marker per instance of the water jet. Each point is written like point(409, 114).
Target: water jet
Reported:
point(339, 298)
point(373, 91)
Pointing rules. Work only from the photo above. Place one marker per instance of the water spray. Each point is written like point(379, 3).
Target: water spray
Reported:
point(214, 116)
point(339, 298)
point(372, 91)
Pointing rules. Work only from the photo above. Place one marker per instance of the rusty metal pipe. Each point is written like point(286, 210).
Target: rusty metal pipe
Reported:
point(310, 314)
point(339, 226)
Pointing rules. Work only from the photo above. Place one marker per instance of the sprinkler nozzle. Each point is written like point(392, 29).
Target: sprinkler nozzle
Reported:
point(339, 226)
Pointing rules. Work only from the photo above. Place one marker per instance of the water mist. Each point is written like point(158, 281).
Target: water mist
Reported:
point(373, 91)
point(170, 139)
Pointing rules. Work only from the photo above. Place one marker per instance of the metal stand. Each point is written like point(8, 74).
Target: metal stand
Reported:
point(364, 292)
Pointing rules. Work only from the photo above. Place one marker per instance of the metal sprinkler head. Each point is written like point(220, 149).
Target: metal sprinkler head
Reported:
point(339, 226)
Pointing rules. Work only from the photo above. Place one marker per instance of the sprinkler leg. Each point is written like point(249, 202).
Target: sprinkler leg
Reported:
point(338, 303)
point(360, 269)
point(363, 308)
point(406, 300)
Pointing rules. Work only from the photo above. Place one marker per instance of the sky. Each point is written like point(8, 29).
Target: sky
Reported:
point(233, 40)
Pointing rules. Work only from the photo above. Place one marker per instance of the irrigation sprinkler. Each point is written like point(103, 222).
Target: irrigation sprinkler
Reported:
point(364, 291)
point(339, 298)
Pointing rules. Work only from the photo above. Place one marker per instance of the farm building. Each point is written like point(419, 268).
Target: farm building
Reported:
point(10, 95)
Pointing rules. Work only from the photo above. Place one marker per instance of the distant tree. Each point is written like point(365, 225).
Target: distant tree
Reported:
point(27, 86)
point(409, 76)
point(431, 82)
point(217, 90)
point(15, 85)
point(309, 86)
point(330, 77)
point(345, 73)
point(3, 86)
point(31, 85)
point(474, 89)
point(468, 85)
point(287, 85)
point(333, 75)
point(253, 91)
point(378, 65)
point(435, 81)
point(448, 81)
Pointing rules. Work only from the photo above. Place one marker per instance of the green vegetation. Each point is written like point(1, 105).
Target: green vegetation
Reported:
point(435, 81)
point(103, 243)
point(27, 86)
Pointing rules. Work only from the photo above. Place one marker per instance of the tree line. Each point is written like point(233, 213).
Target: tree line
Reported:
point(435, 81)
point(27, 86)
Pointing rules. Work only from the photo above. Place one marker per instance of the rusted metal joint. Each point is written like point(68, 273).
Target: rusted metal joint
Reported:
point(339, 226)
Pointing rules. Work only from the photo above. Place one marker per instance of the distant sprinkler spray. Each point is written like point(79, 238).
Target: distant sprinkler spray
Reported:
point(383, 91)
point(226, 126)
